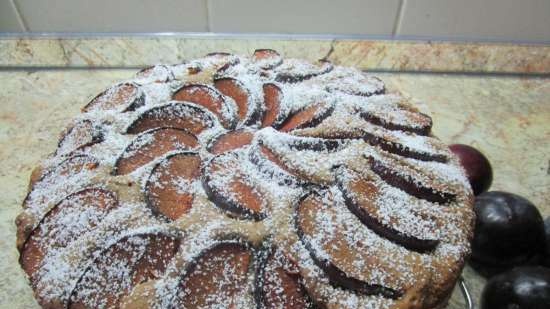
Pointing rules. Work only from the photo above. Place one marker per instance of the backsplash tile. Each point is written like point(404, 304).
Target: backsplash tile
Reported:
point(9, 22)
point(471, 20)
point(114, 16)
point(374, 17)
point(526, 20)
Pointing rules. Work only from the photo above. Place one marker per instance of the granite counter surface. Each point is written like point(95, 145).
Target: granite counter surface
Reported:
point(382, 55)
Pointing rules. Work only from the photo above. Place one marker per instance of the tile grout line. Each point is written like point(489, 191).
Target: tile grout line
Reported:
point(19, 16)
point(398, 18)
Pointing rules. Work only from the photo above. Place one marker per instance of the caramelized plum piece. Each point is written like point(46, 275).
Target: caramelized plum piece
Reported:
point(223, 59)
point(331, 255)
point(357, 83)
point(82, 134)
point(131, 261)
point(211, 99)
point(169, 190)
point(316, 144)
point(230, 141)
point(308, 117)
point(153, 144)
point(219, 55)
point(190, 117)
point(408, 183)
point(272, 101)
point(292, 71)
point(397, 147)
point(279, 283)
point(360, 195)
point(267, 58)
point(185, 70)
point(123, 97)
point(220, 62)
point(156, 74)
point(52, 180)
point(218, 278)
point(271, 165)
point(64, 223)
point(248, 110)
point(299, 143)
point(477, 167)
point(229, 188)
point(396, 117)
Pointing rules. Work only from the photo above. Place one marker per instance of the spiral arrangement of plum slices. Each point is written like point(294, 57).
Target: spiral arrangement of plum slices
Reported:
point(246, 182)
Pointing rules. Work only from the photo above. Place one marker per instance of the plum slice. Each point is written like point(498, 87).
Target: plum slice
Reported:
point(278, 282)
point(401, 147)
point(270, 164)
point(80, 135)
point(130, 261)
point(356, 83)
point(267, 58)
point(408, 181)
point(272, 101)
point(211, 99)
point(219, 62)
point(248, 109)
point(361, 197)
point(231, 189)
point(124, 97)
point(315, 144)
point(307, 117)
point(223, 59)
point(331, 251)
point(399, 119)
point(152, 144)
point(58, 179)
point(156, 73)
point(230, 141)
point(187, 116)
point(217, 278)
point(75, 215)
point(299, 143)
point(288, 159)
point(169, 190)
point(293, 71)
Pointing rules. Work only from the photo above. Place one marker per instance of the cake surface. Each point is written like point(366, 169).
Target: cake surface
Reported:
point(247, 182)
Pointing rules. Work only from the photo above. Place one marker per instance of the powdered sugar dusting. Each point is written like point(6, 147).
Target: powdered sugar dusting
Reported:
point(80, 263)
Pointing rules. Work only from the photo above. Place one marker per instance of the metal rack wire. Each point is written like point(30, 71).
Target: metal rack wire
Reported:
point(466, 293)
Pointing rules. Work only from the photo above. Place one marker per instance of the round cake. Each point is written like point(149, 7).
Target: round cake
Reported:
point(247, 182)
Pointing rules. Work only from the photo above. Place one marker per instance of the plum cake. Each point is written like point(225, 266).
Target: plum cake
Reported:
point(247, 182)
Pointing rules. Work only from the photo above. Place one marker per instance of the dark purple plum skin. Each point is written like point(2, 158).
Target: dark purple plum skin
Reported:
point(338, 277)
point(547, 242)
point(509, 231)
point(477, 167)
point(384, 230)
point(521, 288)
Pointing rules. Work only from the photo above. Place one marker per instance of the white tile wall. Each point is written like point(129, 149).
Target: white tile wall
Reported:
point(114, 15)
point(527, 20)
point(524, 20)
point(9, 21)
point(375, 17)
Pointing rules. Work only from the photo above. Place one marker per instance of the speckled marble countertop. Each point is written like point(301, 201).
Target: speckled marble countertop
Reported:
point(507, 117)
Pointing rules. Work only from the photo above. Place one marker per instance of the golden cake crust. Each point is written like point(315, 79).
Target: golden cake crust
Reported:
point(247, 182)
